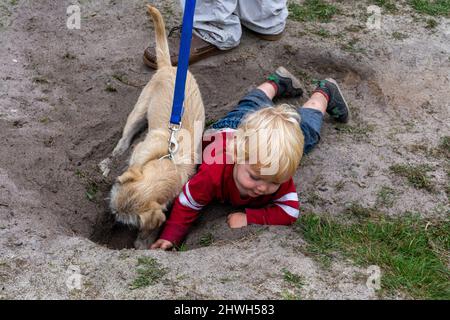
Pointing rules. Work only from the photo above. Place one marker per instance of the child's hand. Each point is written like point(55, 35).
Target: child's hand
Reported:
point(237, 220)
point(162, 244)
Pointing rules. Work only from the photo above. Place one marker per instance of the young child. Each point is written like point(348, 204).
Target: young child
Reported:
point(268, 195)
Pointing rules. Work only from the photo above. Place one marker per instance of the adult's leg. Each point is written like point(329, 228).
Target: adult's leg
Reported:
point(216, 23)
point(266, 17)
point(216, 29)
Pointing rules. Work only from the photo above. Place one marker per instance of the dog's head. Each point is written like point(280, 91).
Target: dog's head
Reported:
point(142, 193)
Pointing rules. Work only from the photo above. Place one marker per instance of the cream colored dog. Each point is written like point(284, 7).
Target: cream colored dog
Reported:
point(152, 181)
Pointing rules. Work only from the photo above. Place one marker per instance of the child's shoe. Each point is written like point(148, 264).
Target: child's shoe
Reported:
point(287, 84)
point(337, 107)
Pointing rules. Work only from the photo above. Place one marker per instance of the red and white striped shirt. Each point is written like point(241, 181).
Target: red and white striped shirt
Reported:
point(215, 182)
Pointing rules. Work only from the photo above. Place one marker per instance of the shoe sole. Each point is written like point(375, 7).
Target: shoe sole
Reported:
point(282, 72)
point(192, 59)
point(343, 98)
point(269, 37)
point(148, 63)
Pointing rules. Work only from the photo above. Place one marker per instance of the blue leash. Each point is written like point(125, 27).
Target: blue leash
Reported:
point(180, 81)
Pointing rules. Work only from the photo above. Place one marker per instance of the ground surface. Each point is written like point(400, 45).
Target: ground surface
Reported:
point(64, 98)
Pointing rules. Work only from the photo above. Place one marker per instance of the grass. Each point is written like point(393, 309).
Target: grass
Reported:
point(351, 47)
point(359, 212)
point(339, 185)
point(360, 131)
point(387, 5)
point(412, 253)
point(431, 24)
point(415, 174)
point(294, 280)
point(121, 77)
point(314, 199)
point(312, 10)
point(207, 239)
point(431, 7)
point(399, 36)
point(444, 146)
point(44, 120)
point(110, 88)
point(182, 247)
point(386, 197)
point(447, 187)
point(149, 273)
point(41, 80)
point(91, 191)
point(322, 33)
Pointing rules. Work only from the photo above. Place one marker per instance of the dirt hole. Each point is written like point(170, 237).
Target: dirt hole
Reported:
point(114, 235)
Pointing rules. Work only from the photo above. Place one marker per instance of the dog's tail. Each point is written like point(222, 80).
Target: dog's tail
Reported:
point(162, 46)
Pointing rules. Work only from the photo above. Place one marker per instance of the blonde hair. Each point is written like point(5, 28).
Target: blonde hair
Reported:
point(271, 136)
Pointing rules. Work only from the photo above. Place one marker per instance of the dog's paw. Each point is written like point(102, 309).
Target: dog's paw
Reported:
point(104, 166)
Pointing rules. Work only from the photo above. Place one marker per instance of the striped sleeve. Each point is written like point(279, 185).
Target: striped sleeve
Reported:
point(284, 209)
point(196, 194)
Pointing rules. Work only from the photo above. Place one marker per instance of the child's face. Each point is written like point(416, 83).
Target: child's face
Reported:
point(249, 183)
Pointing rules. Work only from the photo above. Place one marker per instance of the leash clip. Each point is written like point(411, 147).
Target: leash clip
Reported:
point(173, 143)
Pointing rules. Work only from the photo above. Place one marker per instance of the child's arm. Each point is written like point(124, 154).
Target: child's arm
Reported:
point(283, 210)
point(196, 193)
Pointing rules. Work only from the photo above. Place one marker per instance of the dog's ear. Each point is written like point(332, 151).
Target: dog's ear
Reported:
point(153, 218)
point(132, 174)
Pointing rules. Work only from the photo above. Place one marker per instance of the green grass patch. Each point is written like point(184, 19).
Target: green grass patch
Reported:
point(431, 7)
point(415, 174)
point(110, 88)
point(312, 10)
point(182, 247)
point(399, 36)
point(295, 281)
point(387, 5)
point(351, 46)
point(444, 146)
point(91, 191)
point(149, 273)
point(322, 33)
point(207, 239)
point(412, 253)
point(447, 187)
point(386, 197)
point(359, 131)
point(431, 24)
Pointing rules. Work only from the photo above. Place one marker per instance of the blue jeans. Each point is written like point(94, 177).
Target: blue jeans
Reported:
point(311, 119)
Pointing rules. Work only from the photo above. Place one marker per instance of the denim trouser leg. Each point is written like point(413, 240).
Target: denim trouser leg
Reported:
point(311, 119)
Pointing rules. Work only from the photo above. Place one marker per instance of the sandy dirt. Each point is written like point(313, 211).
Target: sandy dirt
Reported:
point(64, 98)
